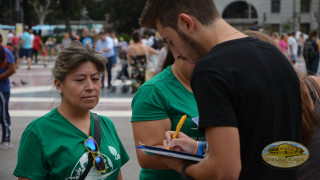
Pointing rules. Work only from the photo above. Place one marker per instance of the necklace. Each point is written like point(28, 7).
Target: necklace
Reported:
point(228, 35)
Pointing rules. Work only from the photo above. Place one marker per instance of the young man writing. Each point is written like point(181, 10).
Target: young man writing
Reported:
point(247, 92)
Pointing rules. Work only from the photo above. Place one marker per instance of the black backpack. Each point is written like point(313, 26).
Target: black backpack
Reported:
point(309, 53)
point(156, 44)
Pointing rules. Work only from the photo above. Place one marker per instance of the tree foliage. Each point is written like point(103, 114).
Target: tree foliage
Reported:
point(5, 11)
point(41, 8)
point(121, 15)
point(124, 14)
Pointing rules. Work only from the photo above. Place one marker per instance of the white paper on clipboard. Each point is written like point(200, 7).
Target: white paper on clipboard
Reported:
point(162, 151)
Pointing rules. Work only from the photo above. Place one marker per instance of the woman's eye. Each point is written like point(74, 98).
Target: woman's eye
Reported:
point(96, 79)
point(79, 80)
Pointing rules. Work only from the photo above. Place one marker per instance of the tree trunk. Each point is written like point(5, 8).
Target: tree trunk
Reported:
point(66, 5)
point(68, 28)
point(41, 18)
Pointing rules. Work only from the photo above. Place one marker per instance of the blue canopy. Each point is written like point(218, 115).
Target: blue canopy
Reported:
point(6, 27)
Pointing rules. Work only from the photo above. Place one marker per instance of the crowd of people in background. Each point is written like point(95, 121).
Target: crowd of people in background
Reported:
point(299, 45)
point(30, 45)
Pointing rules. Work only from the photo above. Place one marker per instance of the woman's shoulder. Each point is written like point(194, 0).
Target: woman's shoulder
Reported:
point(104, 118)
point(106, 121)
point(38, 123)
point(45, 121)
point(162, 80)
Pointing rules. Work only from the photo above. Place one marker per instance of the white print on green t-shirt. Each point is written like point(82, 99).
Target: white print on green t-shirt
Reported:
point(196, 120)
point(80, 167)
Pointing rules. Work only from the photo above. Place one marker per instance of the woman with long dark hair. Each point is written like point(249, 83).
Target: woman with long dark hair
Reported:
point(137, 56)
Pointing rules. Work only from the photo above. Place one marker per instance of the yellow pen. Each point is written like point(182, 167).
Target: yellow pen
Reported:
point(178, 128)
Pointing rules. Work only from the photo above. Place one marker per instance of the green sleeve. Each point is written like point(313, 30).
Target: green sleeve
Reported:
point(31, 162)
point(113, 131)
point(149, 103)
point(123, 153)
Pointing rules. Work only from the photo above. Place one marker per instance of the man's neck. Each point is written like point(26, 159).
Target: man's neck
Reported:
point(220, 31)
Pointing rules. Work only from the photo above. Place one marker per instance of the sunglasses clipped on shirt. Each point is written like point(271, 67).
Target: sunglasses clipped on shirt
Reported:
point(98, 161)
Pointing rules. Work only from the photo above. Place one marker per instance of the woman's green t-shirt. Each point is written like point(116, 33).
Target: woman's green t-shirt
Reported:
point(163, 97)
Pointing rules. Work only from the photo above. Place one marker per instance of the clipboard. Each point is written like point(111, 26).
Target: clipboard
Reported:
point(150, 150)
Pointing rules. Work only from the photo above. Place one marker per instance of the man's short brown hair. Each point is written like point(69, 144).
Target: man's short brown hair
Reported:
point(168, 11)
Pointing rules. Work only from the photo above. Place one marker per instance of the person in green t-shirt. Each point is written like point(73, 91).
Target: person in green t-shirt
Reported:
point(56, 145)
point(157, 107)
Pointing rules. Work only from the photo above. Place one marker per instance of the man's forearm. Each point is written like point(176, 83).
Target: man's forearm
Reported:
point(22, 42)
point(8, 72)
point(106, 49)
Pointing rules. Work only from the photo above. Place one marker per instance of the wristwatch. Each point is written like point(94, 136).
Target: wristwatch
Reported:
point(183, 172)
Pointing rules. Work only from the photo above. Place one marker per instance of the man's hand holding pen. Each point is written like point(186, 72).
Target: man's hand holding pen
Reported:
point(181, 143)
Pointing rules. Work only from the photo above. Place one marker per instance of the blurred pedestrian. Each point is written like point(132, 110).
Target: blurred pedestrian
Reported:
point(123, 48)
point(292, 48)
point(237, 83)
point(31, 41)
point(122, 52)
point(74, 36)
point(66, 40)
point(54, 47)
point(94, 35)
point(6, 70)
point(311, 52)
point(115, 47)
point(62, 143)
point(15, 45)
point(161, 59)
point(44, 54)
point(300, 44)
point(105, 47)
point(156, 108)
point(148, 38)
point(138, 54)
point(275, 38)
point(10, 36)
point(49, 46)
point(85, 38)
point(283, 44)
point(37, 43)
point(25, 48)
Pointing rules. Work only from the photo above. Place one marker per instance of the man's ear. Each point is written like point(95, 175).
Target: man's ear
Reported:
point(186, 23)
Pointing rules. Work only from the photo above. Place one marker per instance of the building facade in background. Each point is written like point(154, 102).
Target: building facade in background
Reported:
point(272, 15)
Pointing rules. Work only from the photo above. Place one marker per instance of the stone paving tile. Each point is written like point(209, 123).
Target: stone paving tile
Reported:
point(47, 106)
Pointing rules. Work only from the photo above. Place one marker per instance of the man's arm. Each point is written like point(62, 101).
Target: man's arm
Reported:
point(11, 69)
point(105, 50)
point(223, 161)
point(291, 49)
point(22, 42)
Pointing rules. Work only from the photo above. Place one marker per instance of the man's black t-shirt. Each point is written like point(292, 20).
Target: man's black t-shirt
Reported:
point(249, 84)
